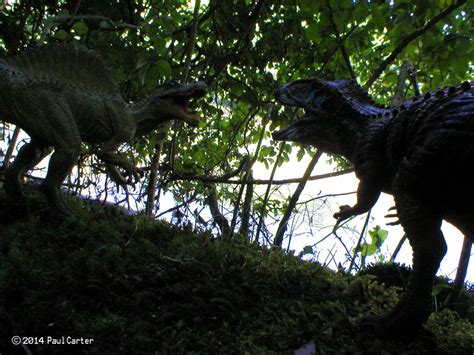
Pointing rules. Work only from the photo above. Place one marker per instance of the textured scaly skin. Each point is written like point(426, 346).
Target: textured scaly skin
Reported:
point(419, 151)
point(63, 95)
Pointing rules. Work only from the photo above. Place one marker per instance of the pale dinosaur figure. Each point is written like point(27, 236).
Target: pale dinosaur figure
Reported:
point(419, 151)
point(62, 95)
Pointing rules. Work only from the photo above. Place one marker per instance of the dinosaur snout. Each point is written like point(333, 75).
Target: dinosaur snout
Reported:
point(286, 134)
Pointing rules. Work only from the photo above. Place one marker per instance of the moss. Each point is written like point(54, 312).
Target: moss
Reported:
point(138, 285)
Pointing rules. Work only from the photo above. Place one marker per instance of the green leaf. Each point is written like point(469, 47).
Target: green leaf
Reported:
point(438, 288)
point(309, 6)
point(61, 35)
point(360, 13)
point(300, 154)
point(159, 44)
point(307, 250)
point(80, 28)
point(312, 31)
point(164, 68)
point(378, 236)
point(104, 24)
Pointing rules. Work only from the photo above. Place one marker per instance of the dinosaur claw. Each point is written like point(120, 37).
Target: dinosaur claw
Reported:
point(345, 212)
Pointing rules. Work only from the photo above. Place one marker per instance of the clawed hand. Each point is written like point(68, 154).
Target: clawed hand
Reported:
point(345, 212)
point(393, 215)
point(133, 175)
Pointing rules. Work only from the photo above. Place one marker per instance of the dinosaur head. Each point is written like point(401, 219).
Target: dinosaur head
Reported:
point(170, 102)
point(329, 111)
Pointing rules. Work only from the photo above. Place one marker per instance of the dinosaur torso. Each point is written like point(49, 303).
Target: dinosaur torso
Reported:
point(422, 145)
point(62, 77)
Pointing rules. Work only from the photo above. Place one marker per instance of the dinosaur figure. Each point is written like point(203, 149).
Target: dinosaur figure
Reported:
point(62, 95)
point(419, 151)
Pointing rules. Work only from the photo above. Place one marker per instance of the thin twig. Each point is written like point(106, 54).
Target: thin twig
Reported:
point(278, 240)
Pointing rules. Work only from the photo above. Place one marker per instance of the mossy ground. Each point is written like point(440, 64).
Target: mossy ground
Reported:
point(138, 286)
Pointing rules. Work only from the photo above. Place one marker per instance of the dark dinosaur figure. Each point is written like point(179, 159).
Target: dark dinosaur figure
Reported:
point(63, 95)
point(419, 151)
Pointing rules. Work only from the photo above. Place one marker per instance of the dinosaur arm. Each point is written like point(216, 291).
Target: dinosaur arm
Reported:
point(108, 153)
point(115, 175)
point(367, 195)
point(369, 167)
point(114, 160)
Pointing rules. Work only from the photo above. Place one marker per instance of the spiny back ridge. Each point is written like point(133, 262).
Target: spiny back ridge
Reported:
point(66, 63)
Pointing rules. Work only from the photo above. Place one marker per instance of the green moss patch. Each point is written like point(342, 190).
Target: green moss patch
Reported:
point(140, 286)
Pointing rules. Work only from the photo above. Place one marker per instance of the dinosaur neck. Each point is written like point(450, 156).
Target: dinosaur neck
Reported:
point(145, 117)
point(366, 109)
point(370, 122)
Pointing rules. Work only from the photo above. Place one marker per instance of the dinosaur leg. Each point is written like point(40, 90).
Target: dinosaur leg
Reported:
point(28, 157)
point(464, 222)
point(60, 164)
point(422, 227)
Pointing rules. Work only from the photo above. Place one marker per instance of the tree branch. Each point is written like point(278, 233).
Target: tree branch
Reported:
point(340, 42)
point(405, 41)
point(267, 192)
point(54, 20)
point(334, 50)
point(219, 218)
point(278, 240)
point(217, 179)
point(11, 147)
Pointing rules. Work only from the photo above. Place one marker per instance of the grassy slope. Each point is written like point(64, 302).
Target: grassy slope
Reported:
point(136, 285)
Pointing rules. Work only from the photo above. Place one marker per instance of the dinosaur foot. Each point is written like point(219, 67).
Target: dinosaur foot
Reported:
point(399, 324)
point(60, 210)
point(58, 207)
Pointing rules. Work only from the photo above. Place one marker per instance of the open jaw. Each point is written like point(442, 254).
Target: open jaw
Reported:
point(181, 97)
point(284, 96)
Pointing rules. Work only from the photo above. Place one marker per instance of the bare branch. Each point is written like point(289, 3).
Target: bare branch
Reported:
point(218, 217)
point(267, 192)
point(11, 147)
point(258, 181)
point(278, 240)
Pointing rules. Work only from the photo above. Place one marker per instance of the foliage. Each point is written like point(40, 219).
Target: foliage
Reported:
point(138, 285)
point(377, 237)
